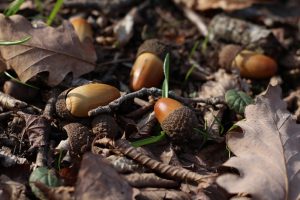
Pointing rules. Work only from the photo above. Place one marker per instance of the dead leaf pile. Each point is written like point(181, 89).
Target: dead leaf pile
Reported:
point(57, 51)
point(267, 152)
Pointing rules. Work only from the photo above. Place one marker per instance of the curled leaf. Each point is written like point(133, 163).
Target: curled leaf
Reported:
point(267, 152)
point(237, 100)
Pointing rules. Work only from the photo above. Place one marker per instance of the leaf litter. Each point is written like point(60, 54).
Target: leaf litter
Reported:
point(259, 162)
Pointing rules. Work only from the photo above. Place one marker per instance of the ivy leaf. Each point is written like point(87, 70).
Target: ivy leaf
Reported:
point(44, 176)
point(237, 100)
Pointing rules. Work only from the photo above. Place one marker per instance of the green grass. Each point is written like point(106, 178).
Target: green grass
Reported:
point(54, 11)
point(9, 43)
point(165, 86)
point(13, 7)
point(191, 69)
point(17, 80)
point(149, 140)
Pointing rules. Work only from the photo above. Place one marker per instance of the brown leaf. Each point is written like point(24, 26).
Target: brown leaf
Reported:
point(98, 179)
point(223, 4)
point(54, 50)
point(11, 190)
point(37, 129)
point(267, 152)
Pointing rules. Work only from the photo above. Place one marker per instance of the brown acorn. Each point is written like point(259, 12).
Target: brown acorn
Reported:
point(79, 101)
point(147, 70)
point(105, 125)
point(251, 64)
point(177, 120)
point(80, 139)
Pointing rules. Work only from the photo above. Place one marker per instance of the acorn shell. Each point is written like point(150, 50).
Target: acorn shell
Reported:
point(180, 124)
point(80, 139)
point(154, 46)
point(105, 125)
point(80, 100)
point(82, 28)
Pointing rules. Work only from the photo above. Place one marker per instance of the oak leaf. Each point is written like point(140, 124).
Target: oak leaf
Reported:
point(57, 51)
point(267, 152)
point(223, 4)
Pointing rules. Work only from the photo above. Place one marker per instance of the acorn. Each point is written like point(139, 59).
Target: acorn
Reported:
point(106, 126)
point(147, 70)
point(79, 101)
point(82, 28)
point(251, 64)
point(80, 139)
point(177, 120)
point(20, 91)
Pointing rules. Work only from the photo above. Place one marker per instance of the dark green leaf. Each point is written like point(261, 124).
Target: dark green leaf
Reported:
point(45, 176)
point(237, 100)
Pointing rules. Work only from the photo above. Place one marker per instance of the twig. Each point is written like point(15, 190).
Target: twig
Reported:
point(114, 105)
point(172, 172)
point(50, 106)
point(195, 19)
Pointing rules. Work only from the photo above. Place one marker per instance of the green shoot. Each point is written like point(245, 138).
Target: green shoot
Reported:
point(54, 12)
point(9, 43)
point(191, 69)
point(59, 159)
point(165, 86)
point(17, 80)
point(205, 43)
point(149, 140)
point(13, 7)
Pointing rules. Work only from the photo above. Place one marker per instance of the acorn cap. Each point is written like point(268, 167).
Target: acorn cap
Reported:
point(180, 123)
point(154, 46)
point(227, 55)
point(61, 107)
point(105, 125)
point(80, 139)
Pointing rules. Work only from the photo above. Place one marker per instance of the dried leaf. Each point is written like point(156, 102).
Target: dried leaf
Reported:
point(267, 152)
point(37, 129)
point(216, 4)
point(7, 159)
point(54, 50)
point(97, 178)
point(11, 190)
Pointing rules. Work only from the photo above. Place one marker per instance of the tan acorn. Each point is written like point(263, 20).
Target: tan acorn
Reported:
point(82, 28)
point(106, 126)
point(79, 101)
point(80, 139)
point(251, 64)
point(177, 120)
point(147, 70)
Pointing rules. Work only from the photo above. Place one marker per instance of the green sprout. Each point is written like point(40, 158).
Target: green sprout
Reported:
point(54, 11)
point(13, 7)
point(165, 86)
point(10, 43)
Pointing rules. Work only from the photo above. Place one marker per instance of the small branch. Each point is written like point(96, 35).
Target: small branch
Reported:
point(50, 106)
point(195, 19)
point(172, 172)
point(114, 105)
point(9, 102)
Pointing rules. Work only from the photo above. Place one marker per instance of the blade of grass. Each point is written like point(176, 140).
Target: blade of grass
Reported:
point(149, 140)
point(191, 69)
point(13, 7)
point(9, 43)
point(165, 86)
point(17, 80)
point(54, 12)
